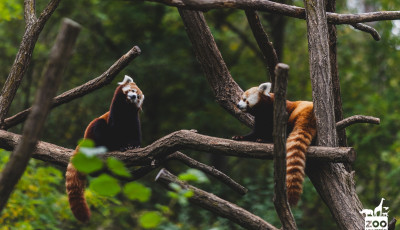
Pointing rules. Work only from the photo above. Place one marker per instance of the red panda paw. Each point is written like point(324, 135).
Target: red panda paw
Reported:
point(237, 138)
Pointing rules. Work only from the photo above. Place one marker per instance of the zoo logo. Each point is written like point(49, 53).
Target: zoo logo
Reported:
point(376, 219)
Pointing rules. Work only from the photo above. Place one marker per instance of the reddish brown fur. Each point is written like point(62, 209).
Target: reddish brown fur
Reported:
point(75, 181)
point(302, 124)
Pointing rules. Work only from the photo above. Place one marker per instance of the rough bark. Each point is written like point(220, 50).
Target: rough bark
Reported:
point(80, 91)
point(183, 139)
point(279, 135)
point(279, 8)
point(51, 79)
point(357, 119)
point(334, 184)
point(215, 204)
point(33, 28)
point(226, 90)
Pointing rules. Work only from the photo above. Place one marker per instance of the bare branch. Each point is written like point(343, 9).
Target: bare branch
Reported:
point(392, 224)
point(357, 119)
point(279, 8)
point(82, 90)
point(225, 89)
point(51, 79)
point(279, 133)
point(266, 47)
point(369, 29)
point(209, 170)
point(24, 56)
point(183, 139)
point(215, 204)
point(30, 11)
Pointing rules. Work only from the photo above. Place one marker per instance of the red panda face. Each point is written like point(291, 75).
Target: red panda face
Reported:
point(132, 92)
point(253, 96)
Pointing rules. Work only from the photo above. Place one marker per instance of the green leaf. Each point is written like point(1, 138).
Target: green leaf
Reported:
point(117, 167)
point(188, 193)
point(137, 191)
point(150, 219)
point(194, 175)
point(175, 187)
point(86, 164)
point(86, 143)
point(105, 185)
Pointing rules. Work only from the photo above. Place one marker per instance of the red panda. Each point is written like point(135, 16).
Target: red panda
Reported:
point(118, 129)
point(258, 101)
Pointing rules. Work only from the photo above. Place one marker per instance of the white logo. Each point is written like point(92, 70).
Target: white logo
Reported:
point(376, 219)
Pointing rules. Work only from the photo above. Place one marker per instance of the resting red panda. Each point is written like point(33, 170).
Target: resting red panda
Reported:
point(258, 101)
point(118, 129)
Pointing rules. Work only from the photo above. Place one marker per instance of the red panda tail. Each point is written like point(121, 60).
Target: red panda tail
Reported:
point(296, 146)
point(75, 183)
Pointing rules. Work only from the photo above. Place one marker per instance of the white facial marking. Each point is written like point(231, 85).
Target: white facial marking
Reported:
point(131, 94)
point(253, 99)
point(141, 101)
point(126, 88)
point(242, 105)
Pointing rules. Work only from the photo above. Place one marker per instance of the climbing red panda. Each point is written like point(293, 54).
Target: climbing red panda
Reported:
point(258, 101)
point(118, 129)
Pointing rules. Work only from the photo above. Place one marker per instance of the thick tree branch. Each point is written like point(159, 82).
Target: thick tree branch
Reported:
point(24, 55)
point(225, 89)
point(266, 47)
point(80, 91)
point(279, 8)
point(215, 204)
point(183, 139)
point(29, 11)
point(279, 133)
point(334, 184)
point(357, 119)
point(51, 79)
point(369, 29)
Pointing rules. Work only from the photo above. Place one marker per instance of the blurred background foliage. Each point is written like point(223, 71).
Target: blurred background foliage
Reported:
point(178, 97)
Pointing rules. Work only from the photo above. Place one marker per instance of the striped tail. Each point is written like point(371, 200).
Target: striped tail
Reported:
point(75, 183)
point(296, 147)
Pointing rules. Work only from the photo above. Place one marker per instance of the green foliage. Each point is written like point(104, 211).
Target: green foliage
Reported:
point(150, 219)
point(105, 185)
point(86, 164)
point(137, 191)
point(117, 167)
point(10, 10)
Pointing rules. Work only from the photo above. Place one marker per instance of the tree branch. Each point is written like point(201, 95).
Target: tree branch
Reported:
point(266, 47)
point(30, 11)
point(82, 90)
point(183, 139)
point(209, 170)
point(51, 79)
point(24, 55)
point(225, 89)
point(357, 119)
point(279, 133)
point(215, 204)
point(369, 29)
point(279, 8)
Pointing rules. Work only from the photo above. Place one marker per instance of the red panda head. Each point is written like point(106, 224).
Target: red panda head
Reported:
point(132, 92)
point(254, 97)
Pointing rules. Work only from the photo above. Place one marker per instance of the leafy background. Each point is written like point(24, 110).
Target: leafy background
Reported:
point(178, 97)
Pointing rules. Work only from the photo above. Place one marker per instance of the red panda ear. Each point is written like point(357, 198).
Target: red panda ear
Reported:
point(127, 79)
point(265, 88)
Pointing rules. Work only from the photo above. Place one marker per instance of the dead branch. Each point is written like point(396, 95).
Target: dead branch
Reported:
point(266, 47)
point(183, 139)
point(357, 119)
point(279, 133)
point(82, 90)
point(59, 57)
point(279, 8)
point(215, 204)
point(225, 89)
point(369, 29)
point(33, 28)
